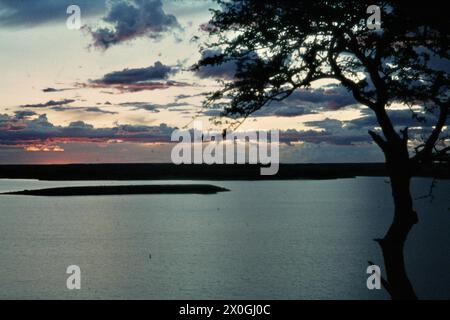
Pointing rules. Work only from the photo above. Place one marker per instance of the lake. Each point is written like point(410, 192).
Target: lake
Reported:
point(299, 239)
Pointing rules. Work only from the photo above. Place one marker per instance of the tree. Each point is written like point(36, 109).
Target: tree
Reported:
point(281, 46)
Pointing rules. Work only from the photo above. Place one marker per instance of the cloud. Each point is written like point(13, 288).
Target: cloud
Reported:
point(43, 148)
point(98, 110)
point(23, 114)
point(224, 71)
point(285, 109)
point(400, 118)
point(158, 71)
point(133, 80)
point(151, 106)
point(129, 19)
point(142, 106)
point(51, 90)
point(331, 97)
point(188, 96)
point(60, 106)
point(16, 130)
point(303, 102)
point(134, 87)
point(333, 131)
point(24, 132)
point(183, 96)
point(332, 137)
point(50, 103)
point(32, 12)
point(84, 109)
point(292, 111)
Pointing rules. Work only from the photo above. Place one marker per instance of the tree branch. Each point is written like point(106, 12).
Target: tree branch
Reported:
point(378, 140)
point(425, 155)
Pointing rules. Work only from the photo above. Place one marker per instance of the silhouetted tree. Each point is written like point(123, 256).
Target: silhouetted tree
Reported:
point(280, 46)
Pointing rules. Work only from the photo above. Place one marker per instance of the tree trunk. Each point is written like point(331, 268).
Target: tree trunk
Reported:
point(392, 245)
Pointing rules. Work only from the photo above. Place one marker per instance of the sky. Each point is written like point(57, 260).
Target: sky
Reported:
point(115, 89)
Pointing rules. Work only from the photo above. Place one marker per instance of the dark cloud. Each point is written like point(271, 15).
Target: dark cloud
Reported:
point(224, 71)
point(142, 106)
point(332, 137)
point(213, 112)
point(133, 87)
point(84, 109)
point(22, 114)
point(348, 132)
point(400, 118)
point(151, 106)
point(434, 61)
point(50, 90)
point(132, 80)
point(98, 110)
point(32, 12)
point(158, 71)
point(292, 111)
point(50, 103)
point(285, 109)
point(331, 97)
point(187, 96)
point(61, 106)
point(303, 102)
point(17, 131)
point(183, 96)
point(129, 19)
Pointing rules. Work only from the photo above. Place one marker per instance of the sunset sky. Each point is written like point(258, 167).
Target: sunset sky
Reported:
point(114, 90)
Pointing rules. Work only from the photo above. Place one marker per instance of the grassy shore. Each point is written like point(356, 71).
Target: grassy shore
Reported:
point(142, 171)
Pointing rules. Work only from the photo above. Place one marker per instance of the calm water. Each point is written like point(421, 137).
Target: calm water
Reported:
point(263, 240)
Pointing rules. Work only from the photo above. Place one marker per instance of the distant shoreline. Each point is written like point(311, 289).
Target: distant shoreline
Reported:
point(121, 190)
point(142, 171)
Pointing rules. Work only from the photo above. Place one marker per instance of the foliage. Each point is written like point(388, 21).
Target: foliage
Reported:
point(281, 46)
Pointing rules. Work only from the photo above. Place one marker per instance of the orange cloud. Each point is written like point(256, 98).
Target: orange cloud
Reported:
point(43, 148)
